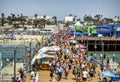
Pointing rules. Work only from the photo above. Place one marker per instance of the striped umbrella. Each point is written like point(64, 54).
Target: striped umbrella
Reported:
point(44, 49)
point(73, 41)
point(80, 46)
point(38, 56)
point(54, 48)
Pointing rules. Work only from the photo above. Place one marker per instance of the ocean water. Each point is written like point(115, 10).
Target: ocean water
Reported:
point(7, 51)
point(108, 54)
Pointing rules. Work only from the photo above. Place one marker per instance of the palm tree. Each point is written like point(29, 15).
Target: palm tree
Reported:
point(3, 19)
point(44, 16)
point(42, 22)
point(55, 19)
point(118, 17)
point(35, 21)
point(36, 15)
point(85, 17)
point(70, 15)
point(74, 18)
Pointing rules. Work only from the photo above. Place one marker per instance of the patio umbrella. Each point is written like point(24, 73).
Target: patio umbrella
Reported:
point(79, 46)
point(38, 56)
point(110, 74)
point(57, 32)
point(54, 48)
point(73, 41)
point(44, 49)
point(52, 43)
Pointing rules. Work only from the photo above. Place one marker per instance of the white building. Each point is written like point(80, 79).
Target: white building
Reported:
point(69, 19)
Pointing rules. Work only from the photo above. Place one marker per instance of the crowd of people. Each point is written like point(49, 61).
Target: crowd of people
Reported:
point(76, 61)
point(71, 60)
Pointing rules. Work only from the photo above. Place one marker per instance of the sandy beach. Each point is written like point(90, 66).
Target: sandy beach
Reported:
point(22, 39)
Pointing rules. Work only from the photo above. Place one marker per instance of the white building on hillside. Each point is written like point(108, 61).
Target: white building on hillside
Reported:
point(69, 19)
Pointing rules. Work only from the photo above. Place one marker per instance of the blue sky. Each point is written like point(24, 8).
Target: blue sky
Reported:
point(61, 8)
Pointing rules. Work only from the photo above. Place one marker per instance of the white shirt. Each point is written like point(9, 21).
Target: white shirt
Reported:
point(32, 73)
point(85, 73)
point(83, 66)
point(101, 55)
point(113, 55)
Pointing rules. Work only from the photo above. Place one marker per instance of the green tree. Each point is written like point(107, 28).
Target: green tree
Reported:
point(3, 19)
point(35, 21)
point(42, 22)
point(88, 18)
point(55, 19)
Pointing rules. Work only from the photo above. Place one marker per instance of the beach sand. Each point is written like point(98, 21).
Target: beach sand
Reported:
point(22, 39)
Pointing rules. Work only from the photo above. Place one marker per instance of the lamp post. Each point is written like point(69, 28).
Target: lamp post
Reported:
point(87, 45)
point(15, 59)
point(30, 49)
point(102, 46)
point(95, 46)
point(74, 32)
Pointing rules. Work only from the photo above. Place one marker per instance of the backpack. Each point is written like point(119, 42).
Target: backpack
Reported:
point(78, 69)
point(75, 71)
point(91, 71)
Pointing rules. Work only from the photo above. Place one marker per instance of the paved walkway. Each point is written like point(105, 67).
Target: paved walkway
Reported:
point(43, 76)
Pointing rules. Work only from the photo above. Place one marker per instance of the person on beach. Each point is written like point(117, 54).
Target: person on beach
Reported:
point(113, 58)
point(95, 56)
point(108, 61)
point(104, 56)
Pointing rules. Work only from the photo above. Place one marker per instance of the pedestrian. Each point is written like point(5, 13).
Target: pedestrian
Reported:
point(84, 75)
point(78, 78)
point(18, 79)
point(33, 76)
point(75, 72)
point(54, 80)
point(59, 72)
point(91, 73)
point(21, 71)
point(51, 72)
point(66, 72)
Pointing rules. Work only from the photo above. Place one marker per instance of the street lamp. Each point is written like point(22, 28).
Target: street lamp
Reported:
point(102, 46)
point(15, 59)
point(30, 49)
point(74, 32)
point(87, 44)
point(95, 46)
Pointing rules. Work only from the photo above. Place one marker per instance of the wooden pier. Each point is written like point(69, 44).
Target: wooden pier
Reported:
point(99, 44)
